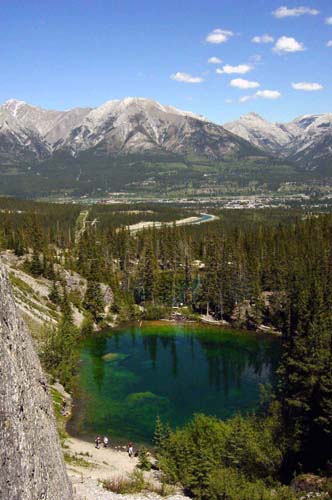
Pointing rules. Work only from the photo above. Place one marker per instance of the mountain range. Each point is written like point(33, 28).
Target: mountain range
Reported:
point(131, 125)
point(307, 140)
point(82, 143)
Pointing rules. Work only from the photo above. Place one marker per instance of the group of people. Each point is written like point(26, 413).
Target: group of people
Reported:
point(104, 441)
point(100, 441)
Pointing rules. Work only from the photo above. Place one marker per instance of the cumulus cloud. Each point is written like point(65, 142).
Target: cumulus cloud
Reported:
point(328, 20)
point(268, 94)
point(262, 39)
point(284, 11)
point(307, 86)
point(186, 78)
point(240, 83)
point(229, 70)
point(329, 43)
point(219, 36)
point(261, 94)
point(287, 44)
point(214, 60)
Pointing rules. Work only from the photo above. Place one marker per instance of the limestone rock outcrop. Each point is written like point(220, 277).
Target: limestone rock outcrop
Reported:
point(31, 461)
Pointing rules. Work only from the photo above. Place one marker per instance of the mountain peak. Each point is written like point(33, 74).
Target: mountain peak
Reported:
point(13, 105)
point(253, 116)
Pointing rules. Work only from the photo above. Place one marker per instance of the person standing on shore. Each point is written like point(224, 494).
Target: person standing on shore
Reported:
point(105, 441)
point(130, 450)
point(98, 441)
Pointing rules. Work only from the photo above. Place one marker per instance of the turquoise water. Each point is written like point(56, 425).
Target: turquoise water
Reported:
point(129, 376)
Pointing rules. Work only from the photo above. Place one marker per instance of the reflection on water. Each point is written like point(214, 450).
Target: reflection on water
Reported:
point(128, 377)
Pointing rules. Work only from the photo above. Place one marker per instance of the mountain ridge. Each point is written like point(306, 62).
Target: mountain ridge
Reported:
point(306, 140)
point(126, 143)
point(130, 125)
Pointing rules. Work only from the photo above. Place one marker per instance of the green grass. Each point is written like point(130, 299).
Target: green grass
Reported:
point(21, 285)
point(136, 483)
point(34, 326)
point(57, 399)
point(76, 461)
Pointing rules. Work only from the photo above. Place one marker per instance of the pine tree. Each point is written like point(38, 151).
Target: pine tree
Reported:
point(36, 268)
point(143, 459)
point(66, 306)
point(159, 435)
point(93, 300)
point(54, 295)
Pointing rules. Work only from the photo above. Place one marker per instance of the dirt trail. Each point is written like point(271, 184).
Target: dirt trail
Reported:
point(105, 462)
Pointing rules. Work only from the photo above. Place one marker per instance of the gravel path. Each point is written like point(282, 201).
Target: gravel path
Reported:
point(105, 463)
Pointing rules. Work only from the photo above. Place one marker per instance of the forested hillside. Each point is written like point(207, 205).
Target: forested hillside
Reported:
point(270, 270)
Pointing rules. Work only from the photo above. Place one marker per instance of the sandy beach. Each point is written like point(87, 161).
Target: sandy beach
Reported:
point(105, 463)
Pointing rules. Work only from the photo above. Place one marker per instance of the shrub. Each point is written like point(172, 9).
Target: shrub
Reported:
point(143, 459)
point(154, 312)
point(230, 484)
point(206, 445)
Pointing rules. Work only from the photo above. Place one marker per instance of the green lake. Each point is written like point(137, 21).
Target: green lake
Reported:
point(129, 376)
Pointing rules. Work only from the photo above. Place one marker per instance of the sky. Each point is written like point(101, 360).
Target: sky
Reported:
point(217, 58)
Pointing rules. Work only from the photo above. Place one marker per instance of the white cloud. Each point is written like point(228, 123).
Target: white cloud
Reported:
point(219, 36)
point(246, 98)
point(240, 83)
point(261, 94)
point(229, 70)
point(214, 60)
point(307, 86)
point(329, 43)
point(284, 11)
point(186, 78)
point(328, 20)
point(228, 101)
point(262, 39)
point(268, 94)
point(288, 44)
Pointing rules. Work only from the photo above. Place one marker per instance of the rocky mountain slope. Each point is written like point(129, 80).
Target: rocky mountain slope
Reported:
point(29, 132)
point(268, 136)
point(124, 145)
point(313, 145)
point(136, 125)
point(307, 140)
point(31, 458)
point(132, 125)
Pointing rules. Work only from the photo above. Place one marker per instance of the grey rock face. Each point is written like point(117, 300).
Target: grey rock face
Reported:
point(127, 126)
point(31, 461)
point(138, 126)
point(307, 140)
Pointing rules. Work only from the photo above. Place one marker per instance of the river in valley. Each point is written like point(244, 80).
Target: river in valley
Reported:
point(130, 375)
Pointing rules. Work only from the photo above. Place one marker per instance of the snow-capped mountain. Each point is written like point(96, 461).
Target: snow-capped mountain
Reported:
point(307, 140)
point(270, 137)
point(19, 142)
point(313, 145)
point(131, 125)
point(30, 132)
point(139, 126)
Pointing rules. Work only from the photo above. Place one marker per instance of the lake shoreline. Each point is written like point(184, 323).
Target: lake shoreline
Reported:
point(89, 466)
point(202, 321)
point(130, 374)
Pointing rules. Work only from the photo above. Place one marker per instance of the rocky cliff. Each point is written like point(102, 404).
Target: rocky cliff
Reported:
point(32, 466)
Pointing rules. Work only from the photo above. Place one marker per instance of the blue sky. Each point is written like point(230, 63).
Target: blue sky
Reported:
point(64, 53)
